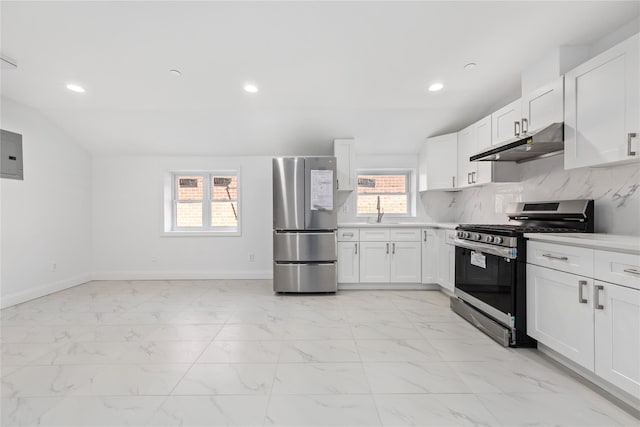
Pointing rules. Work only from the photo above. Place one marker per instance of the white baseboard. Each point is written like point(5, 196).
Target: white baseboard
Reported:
point(42, 290)
point(387, 286)
point(182, 275)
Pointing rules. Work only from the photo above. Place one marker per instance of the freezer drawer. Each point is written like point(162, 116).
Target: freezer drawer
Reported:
point(305, 246)
point(305, 277)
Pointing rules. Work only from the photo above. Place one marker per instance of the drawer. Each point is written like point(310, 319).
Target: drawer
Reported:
point(374, 234)
point(297, 247)
point(305, 277)
point(615, 267)
point(348, 234)
point(404, 234)
point(570, 259)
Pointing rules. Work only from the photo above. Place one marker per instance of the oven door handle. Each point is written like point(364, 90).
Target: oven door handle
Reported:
point(511, 253)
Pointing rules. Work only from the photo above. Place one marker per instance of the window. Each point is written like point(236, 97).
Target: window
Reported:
point(205, 201)
point(393, 189)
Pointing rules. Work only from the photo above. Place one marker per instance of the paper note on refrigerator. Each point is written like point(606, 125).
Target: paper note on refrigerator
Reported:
point(321, 190)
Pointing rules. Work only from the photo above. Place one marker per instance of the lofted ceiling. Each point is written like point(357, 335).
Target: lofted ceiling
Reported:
point(324, 69)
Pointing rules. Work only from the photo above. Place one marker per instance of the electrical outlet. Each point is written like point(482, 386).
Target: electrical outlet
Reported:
point(154, 259)
point(252, 257)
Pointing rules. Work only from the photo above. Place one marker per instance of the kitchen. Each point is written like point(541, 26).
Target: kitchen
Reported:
point(204, 298)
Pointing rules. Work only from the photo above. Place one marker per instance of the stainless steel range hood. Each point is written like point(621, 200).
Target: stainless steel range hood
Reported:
point(543, 142)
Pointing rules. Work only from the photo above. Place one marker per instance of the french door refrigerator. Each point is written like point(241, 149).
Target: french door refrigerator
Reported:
point(305, 222)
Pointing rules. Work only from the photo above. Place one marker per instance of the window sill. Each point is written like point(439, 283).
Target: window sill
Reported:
point(200, 234)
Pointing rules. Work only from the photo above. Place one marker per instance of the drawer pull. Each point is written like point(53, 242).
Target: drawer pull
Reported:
point(347, 234)
point(559, 258)
point(631, 270)
point(596, 297)
point(629, 137)
point(356, 249)
point(581, 298)
point(387, 249)
point(394, 248)
point(425, 235)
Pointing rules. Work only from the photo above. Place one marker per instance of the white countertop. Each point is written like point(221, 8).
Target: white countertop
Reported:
point(399, 224)
point(607, 242)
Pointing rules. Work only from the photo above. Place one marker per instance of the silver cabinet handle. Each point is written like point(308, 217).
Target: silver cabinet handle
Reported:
point(516, 128)
point(469, 178)
point(631, 270)
point(525, 125)
point(581, 298)
point(356, 249)
point(630, 136)
point(337, 184)
point(453, 182)
point(473, 177)
point(347, 234)
point(559, 258)
point(596, 297)
point(425, 237)
point(387, 248)
point(393, 251)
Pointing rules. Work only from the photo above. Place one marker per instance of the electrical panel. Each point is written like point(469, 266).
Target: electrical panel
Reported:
point(11, 154)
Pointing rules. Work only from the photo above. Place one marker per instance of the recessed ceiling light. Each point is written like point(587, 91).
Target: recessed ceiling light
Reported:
point(436, 87)
point(470, 66)
point(176, 73)
point(75, 88)
point(251, 88)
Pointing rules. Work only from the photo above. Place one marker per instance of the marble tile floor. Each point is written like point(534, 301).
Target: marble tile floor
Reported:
point(225, 352)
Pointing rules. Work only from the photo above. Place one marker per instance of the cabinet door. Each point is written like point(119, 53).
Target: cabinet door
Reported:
point(451, 252)
point(406, 266)
point(617, 336)
point(482, 136)
point(442, 162)
point(466, 148)
point(374, 262)
point(344, 152)
point(560, 313)
point(443, 260)
point(601, 108)
point(544, 105)
point(502, 122)
point(348, 262)
point(422, 168)
point(430, 250)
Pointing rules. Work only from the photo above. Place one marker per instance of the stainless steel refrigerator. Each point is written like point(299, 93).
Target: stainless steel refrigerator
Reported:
point(304, 224)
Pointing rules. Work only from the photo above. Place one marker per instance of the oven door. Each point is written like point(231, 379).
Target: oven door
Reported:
point(487, 282)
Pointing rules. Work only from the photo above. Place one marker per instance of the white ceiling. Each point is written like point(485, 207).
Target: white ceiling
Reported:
point(324, 69)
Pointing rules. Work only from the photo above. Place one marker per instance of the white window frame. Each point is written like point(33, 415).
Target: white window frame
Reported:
point(171, 203)
point(411, 203)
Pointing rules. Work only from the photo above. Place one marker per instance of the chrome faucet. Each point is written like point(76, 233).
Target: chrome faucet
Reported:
point(380, 211)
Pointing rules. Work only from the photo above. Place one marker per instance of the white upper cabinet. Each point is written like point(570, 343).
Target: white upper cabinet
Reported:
point(466, 148)
point(344, 151)
point(503, 122)
point(543, 106)
point(601, 108)
point(438, 163)
point(482, 136)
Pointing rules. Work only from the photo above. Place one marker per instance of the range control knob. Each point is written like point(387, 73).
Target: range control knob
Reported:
point(477, 236)
point(467, 235)
point(460, 233)
point(488, 239)
point(498, 239)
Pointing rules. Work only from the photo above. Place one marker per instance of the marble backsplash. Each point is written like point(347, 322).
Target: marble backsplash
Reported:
point(616, 191)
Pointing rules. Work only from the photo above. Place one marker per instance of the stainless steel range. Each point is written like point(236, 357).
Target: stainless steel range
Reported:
point(490, 275)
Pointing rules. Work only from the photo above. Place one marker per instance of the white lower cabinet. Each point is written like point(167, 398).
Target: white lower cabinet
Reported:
point(617, 336)
point(446, 260)
point(348, 262)
point(592, 322)
point(405, 264)
point(430, 251)
point(374, 262)
point(560, 312)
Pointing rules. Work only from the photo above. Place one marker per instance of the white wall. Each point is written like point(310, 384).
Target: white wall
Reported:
point(46, 218)
point(128, 221)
